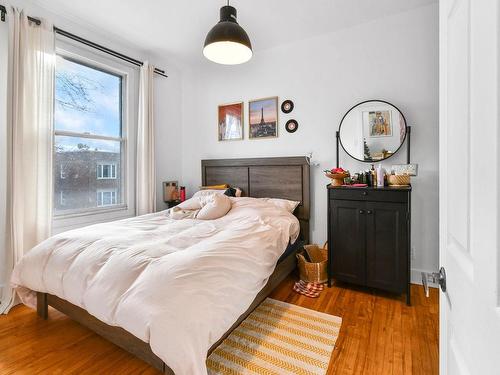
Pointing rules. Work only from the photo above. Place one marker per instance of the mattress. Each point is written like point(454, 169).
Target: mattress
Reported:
point(291, 248)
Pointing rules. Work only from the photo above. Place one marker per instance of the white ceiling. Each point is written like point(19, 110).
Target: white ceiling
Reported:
point(178, 28)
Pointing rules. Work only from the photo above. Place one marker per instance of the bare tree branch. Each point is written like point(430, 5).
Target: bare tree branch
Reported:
point(75, 91)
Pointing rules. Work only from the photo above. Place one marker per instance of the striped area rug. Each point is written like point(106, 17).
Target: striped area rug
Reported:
point(278, 338)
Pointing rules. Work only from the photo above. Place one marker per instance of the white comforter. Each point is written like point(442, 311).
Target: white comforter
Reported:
point(177, 284)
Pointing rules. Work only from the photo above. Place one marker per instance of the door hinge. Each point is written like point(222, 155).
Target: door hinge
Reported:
point(407, 216)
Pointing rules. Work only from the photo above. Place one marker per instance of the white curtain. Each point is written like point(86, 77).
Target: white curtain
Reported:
point(31, 71)
point(145, 171)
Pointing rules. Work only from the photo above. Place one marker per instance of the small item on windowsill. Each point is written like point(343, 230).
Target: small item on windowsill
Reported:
point(183, 193)
point(337, 175)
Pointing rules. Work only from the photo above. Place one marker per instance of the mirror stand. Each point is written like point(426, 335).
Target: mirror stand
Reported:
point(408, 149)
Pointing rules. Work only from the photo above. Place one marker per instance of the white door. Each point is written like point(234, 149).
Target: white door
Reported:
point(469, 192)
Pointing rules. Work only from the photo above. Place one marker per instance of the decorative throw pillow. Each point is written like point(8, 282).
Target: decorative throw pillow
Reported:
point(215, 187)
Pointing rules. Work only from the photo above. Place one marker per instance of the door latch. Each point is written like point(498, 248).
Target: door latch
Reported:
point(437, 277)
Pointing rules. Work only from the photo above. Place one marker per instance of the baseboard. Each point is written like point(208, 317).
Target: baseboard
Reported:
point(416, 277)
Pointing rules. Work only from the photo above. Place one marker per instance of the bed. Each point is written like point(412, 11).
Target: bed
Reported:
point(286, 178)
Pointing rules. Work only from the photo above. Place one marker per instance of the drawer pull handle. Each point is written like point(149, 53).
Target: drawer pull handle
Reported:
point(365, 193)
point(361, 211)
point(369, 212)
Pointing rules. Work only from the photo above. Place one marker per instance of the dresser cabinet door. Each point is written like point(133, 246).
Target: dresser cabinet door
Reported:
point(347, 240)
point(386, 246)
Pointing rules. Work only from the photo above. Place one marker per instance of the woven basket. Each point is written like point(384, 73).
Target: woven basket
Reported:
point(398, 180)
point(316, 269)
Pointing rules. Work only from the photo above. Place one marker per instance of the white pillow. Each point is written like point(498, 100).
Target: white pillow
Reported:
point(283, 204)
point(207, 207)
point(214, 207)
point(208, 192)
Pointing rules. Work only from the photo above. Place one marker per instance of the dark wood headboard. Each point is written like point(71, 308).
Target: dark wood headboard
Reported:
point(281, 177)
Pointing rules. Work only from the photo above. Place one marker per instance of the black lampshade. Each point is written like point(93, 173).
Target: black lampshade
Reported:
point(227, 42)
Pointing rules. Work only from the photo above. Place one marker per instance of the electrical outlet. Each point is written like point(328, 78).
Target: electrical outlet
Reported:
point(412, 254)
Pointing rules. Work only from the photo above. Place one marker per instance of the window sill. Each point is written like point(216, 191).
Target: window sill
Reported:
point(90, 212)
point(69, 221)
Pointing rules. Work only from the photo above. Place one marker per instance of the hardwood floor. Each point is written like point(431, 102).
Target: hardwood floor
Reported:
point(379, 335)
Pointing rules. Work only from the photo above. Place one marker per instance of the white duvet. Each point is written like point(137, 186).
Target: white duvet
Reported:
point(177, 284)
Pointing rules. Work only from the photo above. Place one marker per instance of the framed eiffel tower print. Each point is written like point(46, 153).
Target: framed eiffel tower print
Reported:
point(263, 118)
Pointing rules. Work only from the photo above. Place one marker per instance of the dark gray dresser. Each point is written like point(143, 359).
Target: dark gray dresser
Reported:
point(369, 237)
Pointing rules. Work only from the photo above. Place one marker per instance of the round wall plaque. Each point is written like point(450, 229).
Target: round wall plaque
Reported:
point(291, 126)
point(287, 106)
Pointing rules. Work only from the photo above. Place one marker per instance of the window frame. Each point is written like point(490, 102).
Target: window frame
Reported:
point(100, 192)
point(100, 170)
point(84, 55)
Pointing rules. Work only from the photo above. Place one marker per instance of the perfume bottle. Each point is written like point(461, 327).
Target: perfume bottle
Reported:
point(380, 176)
point(373, 174)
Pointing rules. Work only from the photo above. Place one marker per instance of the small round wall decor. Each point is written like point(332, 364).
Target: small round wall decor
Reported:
point(287, 106)
point(291, 126)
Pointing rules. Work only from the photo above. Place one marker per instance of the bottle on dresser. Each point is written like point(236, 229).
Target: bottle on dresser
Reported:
point(380, 176)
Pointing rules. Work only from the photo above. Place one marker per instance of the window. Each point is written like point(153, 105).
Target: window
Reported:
point(96, 102)
point(106, 171)
point(106, 198)
point(89, 139)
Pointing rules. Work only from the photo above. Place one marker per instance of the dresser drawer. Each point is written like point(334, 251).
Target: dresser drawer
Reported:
point(362, 194)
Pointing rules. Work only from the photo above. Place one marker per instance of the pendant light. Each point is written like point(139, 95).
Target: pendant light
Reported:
point(227, 43)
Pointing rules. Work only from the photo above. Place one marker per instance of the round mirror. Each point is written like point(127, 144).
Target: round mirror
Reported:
point(373, 130)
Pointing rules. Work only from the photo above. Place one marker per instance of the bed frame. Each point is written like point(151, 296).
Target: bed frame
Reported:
point(283, 177)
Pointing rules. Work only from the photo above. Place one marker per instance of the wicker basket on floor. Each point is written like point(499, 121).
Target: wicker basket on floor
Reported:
point(312, 262)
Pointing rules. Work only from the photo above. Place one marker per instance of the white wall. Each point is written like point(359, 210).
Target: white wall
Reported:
point(393, 59)
point(168, 125)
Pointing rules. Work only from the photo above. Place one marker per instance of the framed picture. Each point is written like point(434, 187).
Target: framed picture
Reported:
point(170, 191)
point(405, 169)
point(379, 123)
point(263, 118)
point(230, 122)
